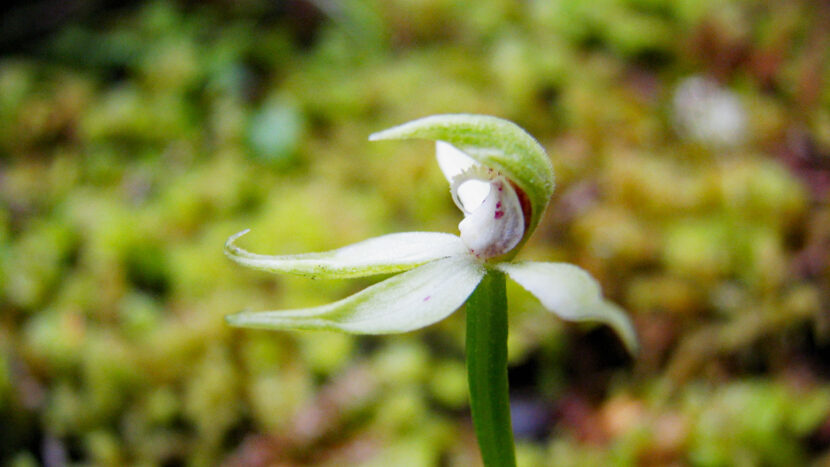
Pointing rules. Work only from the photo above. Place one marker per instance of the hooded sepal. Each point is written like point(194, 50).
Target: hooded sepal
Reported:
point(494, 143)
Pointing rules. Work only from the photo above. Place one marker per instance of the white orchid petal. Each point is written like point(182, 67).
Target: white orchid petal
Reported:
point(380, 255)
point(471, 194)
point(402, 303)
point(497, 225)
point(452, 160)
point(572, 294)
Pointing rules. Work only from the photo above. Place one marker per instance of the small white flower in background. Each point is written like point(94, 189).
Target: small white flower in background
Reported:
point(707, 113)
point(501, 179)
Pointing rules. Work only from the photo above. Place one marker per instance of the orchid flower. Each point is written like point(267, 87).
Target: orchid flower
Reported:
point(501, 179)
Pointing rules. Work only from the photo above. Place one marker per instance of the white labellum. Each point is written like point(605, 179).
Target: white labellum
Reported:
point(493, 220)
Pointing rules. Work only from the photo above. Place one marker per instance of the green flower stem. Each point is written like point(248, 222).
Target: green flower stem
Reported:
point(487, 370)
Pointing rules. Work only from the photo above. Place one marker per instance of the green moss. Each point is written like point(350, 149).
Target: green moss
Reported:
point(274, 133)
point(131, 147)
point(276, 398)
point(210, 399)
point(448, 383)
point(402, 362)
point(326, 352)
point(5, 381)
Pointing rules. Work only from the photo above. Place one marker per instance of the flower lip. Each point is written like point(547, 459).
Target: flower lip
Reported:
point(471, 187)
point(494, 221)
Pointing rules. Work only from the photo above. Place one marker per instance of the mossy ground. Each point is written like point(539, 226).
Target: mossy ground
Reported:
point(133, 142)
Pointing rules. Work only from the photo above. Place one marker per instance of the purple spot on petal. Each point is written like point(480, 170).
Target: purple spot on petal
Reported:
point(427, 297)
point(499, 214)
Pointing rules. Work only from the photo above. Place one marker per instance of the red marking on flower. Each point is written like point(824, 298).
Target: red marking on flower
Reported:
point(427, 297)
point(498, 205)
point(499, 214)
point(525, 203)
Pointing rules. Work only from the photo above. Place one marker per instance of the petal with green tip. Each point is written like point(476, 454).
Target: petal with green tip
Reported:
point(572, 294)
point(380, 255)
point(405, 302)
point(494, 143)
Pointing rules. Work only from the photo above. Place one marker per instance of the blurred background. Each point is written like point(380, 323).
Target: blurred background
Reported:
point(691, 142)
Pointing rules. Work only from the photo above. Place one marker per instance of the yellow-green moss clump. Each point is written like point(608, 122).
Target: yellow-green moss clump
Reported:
point(131, 146)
